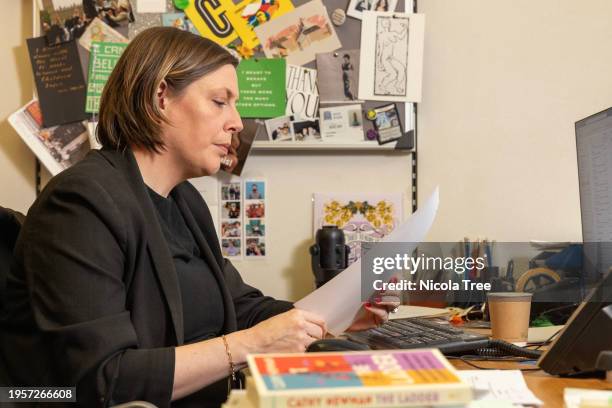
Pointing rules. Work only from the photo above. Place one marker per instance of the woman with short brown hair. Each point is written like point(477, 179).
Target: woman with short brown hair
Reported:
point(120, 287)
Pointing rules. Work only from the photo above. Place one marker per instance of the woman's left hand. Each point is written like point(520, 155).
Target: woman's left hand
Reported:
point(373, 314)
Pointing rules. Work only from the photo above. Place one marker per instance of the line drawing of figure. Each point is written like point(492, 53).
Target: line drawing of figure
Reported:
point(347, 67)
point(391, 56)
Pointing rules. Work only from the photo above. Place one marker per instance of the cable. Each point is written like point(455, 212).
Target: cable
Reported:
point(548, 340)
point(499, 348)
point(467, 359)
point(556, 309)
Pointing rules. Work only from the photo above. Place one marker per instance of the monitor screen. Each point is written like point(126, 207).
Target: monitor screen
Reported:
point(594, 151)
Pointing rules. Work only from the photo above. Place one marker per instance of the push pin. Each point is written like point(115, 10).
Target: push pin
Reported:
point(338, 17)
point(181, 4)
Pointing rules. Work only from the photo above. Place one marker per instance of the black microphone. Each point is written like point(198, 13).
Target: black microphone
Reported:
point(329, 254)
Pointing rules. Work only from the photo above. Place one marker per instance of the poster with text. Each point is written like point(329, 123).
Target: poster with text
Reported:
point(59, 80)
point(302, 93)
point(211, 20)
point(262, 88)
point(102, 60)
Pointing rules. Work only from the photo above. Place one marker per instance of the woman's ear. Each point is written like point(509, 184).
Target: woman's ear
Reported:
point(162, 95)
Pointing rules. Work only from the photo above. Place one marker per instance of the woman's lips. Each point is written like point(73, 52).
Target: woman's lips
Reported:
point(224, 147)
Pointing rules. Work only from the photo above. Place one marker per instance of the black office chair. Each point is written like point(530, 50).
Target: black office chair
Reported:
point(10, 225)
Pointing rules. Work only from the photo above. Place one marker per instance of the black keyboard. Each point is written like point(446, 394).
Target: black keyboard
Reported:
point(420, 333)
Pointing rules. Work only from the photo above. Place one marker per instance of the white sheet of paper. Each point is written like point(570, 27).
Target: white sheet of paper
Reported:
point(541, 334)
point(574, 397)
point(499, 385)
point(391, 59)
point(409, 311)
point(151, 6)
point(339, 300)
point(208, 187)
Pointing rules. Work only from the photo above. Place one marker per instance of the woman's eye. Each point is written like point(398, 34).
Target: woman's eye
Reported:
point(220, 103)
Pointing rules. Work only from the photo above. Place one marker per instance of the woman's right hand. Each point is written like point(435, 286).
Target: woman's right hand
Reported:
point(291, 331)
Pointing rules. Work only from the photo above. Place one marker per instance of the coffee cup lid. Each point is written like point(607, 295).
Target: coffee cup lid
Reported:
point(509, 296)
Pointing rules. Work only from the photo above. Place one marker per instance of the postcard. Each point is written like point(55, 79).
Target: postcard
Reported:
point(342, 123)
point(255, 247)
point(255, 209)
point(57, 147)
point(230, 191)
point(151, 6)
point(178, 20)
point(391, 64)
point(302, 94)
point(231, 228)
point(338, 76)
point(230, 209)
point(255, 189)
point(279, 129)
point(231, 248)
point(361, 216)
point(248, 14)
point(306, 130)
point(101, 32)
point(387, 124)
point(299, 35)
point(255, 228)
point(357, 7)
point(261, 84)
point(102, 60)
point(62, 21)
point(59, 80)
point(211, 20)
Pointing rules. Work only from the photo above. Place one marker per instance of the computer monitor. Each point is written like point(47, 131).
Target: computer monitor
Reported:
point(587, 332)
point(594, 153)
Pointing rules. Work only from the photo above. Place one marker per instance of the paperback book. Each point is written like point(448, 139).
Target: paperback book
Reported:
point(383, 378)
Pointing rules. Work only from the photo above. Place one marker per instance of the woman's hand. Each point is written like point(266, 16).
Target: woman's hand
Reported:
point(373, 314)
point(291, 331)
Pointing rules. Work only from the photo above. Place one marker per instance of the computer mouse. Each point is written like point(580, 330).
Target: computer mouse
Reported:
point(325, 345)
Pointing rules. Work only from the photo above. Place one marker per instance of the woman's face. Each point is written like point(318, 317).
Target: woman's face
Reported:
point(202, 121)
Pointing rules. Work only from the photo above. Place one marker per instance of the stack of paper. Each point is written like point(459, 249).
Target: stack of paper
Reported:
point(497, 386)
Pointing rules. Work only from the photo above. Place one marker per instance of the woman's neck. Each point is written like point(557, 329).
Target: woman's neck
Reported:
point(159, 171)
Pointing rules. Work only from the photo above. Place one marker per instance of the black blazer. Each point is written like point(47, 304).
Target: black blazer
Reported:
point(94, 301)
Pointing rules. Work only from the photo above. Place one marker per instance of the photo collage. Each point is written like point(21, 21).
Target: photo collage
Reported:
point(243, 219)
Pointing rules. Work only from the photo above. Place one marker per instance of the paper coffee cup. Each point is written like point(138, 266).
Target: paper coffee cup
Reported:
point(509, 313)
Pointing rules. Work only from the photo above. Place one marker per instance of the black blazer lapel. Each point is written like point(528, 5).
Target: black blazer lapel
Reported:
point(213, 258)
point(158, 248)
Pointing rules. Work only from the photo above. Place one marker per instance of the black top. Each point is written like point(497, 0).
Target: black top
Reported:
point(93, 300)
point(204, 317)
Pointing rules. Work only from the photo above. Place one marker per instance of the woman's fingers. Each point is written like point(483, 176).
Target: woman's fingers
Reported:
point(315, 319)
point(314, 331)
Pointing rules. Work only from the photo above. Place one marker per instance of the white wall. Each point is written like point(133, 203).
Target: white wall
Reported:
point(504, 82)
point(292, 179)
point(17, 189)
